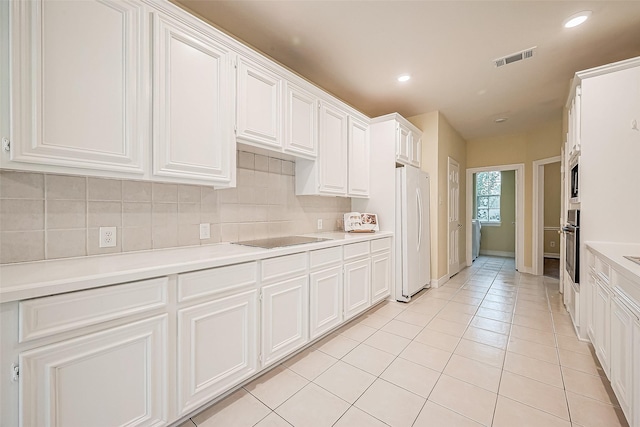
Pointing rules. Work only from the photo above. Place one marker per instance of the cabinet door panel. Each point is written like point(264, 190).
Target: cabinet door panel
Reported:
point(192, 105)
point(217, 347)
point(601, 325)
point(358, 158)
point(403, 141)
point(259, 105)
point(326, 300)
point(357, 288)
point(416, 150)
point(622, 354)
point(71, 106)
point(115, 377)
point(285, 318)
point(635, 372)
point(301, 121)
point(333, 150)
point(380, 277)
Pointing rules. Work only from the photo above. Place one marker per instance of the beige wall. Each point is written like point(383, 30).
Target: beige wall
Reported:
point(540, 143)
point(552, 185)
point(439, 142)
point(502, 238)
point(47, 216)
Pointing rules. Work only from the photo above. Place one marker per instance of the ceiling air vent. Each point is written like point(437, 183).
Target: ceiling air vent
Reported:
point(514, 57)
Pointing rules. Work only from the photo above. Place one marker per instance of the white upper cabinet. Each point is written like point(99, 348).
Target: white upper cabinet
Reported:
point(416, 150)
point(259, 105)
point(193, 105)
point(358, 158)
point(333, 150)
point(77, 85)
point(301, 122)
point(408, 143)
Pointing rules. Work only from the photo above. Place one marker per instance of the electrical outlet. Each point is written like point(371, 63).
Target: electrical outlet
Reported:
point(107, 237)
point(319, 224)
point(552, 244)
point(205, 231)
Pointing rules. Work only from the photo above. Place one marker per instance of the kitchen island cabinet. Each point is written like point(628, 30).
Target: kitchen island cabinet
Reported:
point(150, 338)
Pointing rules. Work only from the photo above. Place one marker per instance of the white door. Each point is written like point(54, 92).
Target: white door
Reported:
point(454, 216)
point(78, 84)
point(357, 287)
point(285, 318)
point(217, 348)
point(333, 150)
point(113, 378)
point(416, 150)
point(403, 141)
point(301, 134)
point(380, 276)
point(193, 105)
point(325, 289)
point(358, 158)
point(602, 318)
point(622, 361)
point(259, 104)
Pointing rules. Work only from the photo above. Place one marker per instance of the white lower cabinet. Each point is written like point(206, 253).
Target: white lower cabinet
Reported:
point(380, 276)
point(601, 306)
point(114, 377)
point(285, 318)
point(590, 293)
point(217, 347)
point(357, 287)
point(621, 356)
point(635, 371)
point(325, 300)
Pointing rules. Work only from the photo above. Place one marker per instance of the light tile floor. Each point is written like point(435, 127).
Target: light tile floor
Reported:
point(492, 347)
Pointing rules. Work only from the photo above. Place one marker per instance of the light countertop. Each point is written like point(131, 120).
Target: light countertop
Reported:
point(34, 279)
point(615, 253)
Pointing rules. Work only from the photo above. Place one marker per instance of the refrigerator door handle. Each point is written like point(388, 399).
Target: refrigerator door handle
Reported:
point(419, 201)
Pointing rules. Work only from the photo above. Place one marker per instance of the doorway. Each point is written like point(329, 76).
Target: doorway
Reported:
point(546, 216)
point(519, 210)
point(454, 224)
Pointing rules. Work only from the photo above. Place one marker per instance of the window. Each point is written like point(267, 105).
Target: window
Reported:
point(488, 186)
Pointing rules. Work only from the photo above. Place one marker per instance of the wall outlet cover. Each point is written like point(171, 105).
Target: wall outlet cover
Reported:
point(108, 237)
point(319, 224)
point(205, 231)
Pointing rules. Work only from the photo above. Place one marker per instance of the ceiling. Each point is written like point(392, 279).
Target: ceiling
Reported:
point(356, 50)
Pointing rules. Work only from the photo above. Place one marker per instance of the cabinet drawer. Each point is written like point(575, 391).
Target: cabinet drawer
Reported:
point(284, 266)
point(380, 245)
point(356, 250)
point(42, 317)
point(629, 290)
point(216, 280)
point(603, 270)
point(325, 257)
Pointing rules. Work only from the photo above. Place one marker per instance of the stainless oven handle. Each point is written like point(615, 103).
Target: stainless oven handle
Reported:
point(569, 230)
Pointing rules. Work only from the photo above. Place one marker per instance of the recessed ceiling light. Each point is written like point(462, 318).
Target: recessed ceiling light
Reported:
point(404, 78)
point(577, 19)
point(501, 119)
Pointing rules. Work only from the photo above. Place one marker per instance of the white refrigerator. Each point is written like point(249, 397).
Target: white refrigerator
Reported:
point(413, 246)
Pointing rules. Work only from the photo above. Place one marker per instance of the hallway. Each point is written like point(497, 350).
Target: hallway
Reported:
point(492, 347)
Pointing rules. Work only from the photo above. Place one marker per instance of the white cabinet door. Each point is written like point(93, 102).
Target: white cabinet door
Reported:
point(358, 158)
point(114, 378)
point(325, 289)
point(590, 290)
point(301, 122)
point(621, 359)
point(193, 104)
point(357, 287)
point(78, 83)
point(416, 150)
point(332, 150)
point(259, 102)
point(380, 277)
point(285, 318)
point(601, 319)
point(403, 144)
point(217, 348)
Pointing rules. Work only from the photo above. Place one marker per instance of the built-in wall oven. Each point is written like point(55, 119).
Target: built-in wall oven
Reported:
point(572, 235)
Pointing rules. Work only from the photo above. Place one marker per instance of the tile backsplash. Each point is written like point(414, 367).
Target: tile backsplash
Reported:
point(47, 216)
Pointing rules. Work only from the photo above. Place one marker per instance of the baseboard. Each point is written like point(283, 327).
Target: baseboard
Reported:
point(551, 255)
point(498, 253)
point(436, 283)
point(527, 270)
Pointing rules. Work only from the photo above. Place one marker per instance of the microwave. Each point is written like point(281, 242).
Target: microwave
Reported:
point(574, 183)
